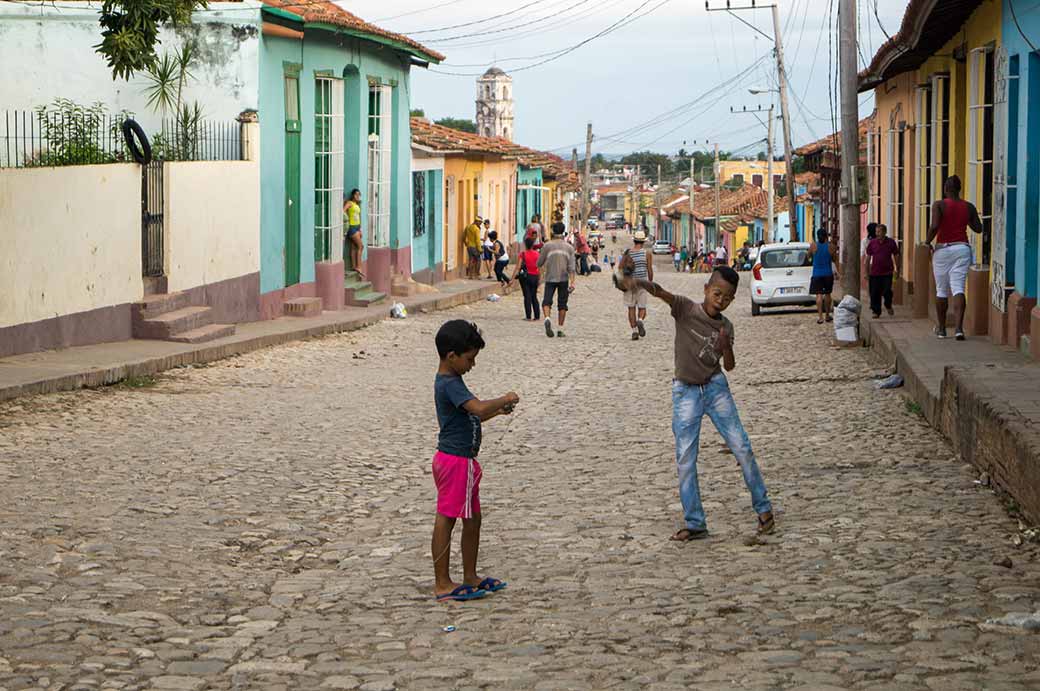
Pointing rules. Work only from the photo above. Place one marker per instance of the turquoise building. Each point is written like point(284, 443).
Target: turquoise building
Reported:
point(334, 116)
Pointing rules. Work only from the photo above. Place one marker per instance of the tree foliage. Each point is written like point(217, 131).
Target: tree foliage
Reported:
point(460, 124)
point(417, 113)
point(130, 31)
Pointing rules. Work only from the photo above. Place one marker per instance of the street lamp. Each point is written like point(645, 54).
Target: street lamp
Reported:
point(758, 90)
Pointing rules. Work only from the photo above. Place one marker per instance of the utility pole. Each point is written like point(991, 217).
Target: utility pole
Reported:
point(636, 194)
point(769, 187)
point(586, 183)
point(718, 205)
point(770, 230)
point(689, 237)
point(849, 148)
point(785, 111)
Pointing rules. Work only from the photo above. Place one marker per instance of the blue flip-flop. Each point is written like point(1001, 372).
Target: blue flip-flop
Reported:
point(492, 585)
point(462, 593)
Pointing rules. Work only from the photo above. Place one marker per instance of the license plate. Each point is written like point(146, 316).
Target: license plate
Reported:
point(791, 291)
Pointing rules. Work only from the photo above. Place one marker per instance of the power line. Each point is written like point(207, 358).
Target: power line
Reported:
point(419, 11)
point(442, 29)
point(669, 115)
point(624, 21)
point(556, 27)
point(488, 32)
point(882, 26)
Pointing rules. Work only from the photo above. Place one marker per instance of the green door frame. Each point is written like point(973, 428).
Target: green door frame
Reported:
point(292, 173)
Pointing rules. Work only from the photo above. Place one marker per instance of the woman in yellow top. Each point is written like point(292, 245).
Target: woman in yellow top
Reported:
point(353, 241)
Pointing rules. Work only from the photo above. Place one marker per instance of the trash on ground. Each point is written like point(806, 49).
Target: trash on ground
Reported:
point(1022, 620)
point(846, 319)
point(1005, 562)
point(494, 297)
point(398, 311)
point(893, 382)
point(448, 629)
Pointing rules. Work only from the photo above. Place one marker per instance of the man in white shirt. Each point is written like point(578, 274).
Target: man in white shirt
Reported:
point(720, 255)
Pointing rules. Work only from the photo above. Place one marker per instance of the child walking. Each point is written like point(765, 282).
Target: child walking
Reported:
point(455, 469)
point(703, 346)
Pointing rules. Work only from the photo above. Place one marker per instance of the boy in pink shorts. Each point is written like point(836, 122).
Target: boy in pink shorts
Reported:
point(455, 468)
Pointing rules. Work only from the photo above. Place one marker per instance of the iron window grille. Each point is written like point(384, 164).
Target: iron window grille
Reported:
point(380, 147)
point(328, 169)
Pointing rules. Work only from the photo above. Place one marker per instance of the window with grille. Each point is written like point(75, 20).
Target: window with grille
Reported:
point(874, 179)
point(980, 140)
point(940, 133)
point(419, 204)
point(380, 161)
point(328, 169)
point(923, 148)
point(896, 180)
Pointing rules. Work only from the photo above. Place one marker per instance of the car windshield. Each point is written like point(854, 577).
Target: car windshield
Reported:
point(785, 258)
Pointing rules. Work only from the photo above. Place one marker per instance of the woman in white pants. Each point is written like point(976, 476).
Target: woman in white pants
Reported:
point(951, 258)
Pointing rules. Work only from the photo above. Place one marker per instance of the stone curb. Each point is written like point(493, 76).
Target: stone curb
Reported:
point(983, 429)
point(205, 353)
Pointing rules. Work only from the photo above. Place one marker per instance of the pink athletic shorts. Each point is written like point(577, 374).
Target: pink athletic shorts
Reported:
point(458, 485)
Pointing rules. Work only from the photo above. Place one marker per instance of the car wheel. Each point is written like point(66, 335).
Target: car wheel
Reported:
point(756, 309)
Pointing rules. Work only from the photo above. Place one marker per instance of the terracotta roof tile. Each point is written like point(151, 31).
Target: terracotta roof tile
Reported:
point(832, 142)
point(327, 12)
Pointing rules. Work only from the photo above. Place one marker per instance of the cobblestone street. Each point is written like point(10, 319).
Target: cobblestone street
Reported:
point(264, 523)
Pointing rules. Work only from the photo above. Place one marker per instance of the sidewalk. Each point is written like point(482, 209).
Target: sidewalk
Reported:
point(984, 398)
point(107, 363)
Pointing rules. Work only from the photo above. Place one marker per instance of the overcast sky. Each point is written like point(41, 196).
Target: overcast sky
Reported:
point(660, 62)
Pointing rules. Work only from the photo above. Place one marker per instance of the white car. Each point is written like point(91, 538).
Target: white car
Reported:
point(662, 247)
point(781, 276)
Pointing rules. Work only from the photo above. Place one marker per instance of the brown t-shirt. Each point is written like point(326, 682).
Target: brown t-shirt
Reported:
point(697, 355)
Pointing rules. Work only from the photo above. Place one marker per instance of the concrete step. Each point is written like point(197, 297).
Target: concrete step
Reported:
point(210, 332)
point(365, 298)
point(163, 326)
point(403, 288)
point(303, 307)
point(154, 305)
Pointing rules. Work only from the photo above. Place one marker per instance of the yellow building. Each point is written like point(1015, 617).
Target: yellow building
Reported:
point(934, 85)
point(752, 172)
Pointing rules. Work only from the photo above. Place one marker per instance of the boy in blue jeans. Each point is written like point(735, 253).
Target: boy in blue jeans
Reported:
point(455, 469)
point(703, 346)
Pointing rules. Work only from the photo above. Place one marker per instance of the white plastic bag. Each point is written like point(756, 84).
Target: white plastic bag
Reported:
point(494, 297)
point(398, 310)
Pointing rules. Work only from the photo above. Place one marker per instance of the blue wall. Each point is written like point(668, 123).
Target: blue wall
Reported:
point(357, 62)
point(528, 202)
point(1023, 213)
point(428, 247)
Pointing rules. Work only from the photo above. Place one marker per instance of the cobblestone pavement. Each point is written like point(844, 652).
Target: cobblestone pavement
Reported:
point(264, 523)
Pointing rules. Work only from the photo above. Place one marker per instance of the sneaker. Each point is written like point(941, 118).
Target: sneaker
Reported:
point(635, 335)
point(548, 328)
point(940, 333)
point(959, 335)
point(766, 523)
point(560, 334)
point(642, 329)
point(891, 312)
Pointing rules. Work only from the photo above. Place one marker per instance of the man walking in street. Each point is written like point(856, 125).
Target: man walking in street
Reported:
point(639, 265)
point(881, 269)
point(471, 240)
point(556, 262)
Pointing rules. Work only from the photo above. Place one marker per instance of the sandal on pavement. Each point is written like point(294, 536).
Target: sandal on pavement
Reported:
point(688, 534)
point(819, 321)
point(766, 526)
point(491, 585)
point(462, 593)
point(830, 318)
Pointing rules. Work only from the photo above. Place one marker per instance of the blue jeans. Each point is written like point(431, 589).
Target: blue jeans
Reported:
point(690, 403)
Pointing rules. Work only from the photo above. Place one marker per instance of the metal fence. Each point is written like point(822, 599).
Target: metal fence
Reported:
point(60, 138)
point(202, 140)
point(79, 136)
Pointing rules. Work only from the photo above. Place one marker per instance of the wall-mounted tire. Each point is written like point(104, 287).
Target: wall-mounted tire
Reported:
point(132, 134)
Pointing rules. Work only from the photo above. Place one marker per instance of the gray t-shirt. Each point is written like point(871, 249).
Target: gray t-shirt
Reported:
point(697, 355)
point(558, 259)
